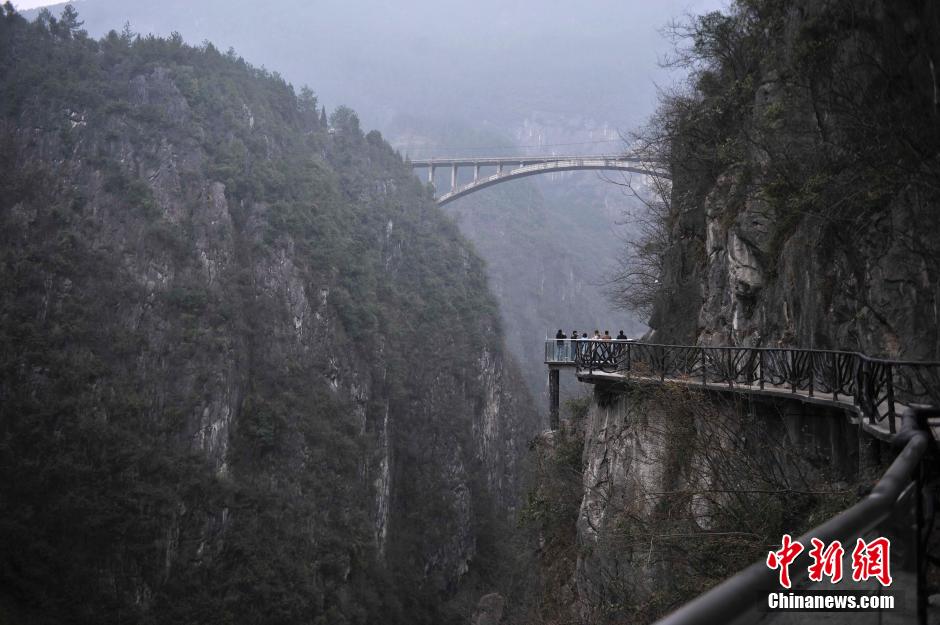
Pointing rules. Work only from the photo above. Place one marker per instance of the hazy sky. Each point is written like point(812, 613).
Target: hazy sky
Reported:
point(31, 4)
point(590, 66)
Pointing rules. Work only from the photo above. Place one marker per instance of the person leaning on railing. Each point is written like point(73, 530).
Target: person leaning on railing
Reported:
point(619, 344)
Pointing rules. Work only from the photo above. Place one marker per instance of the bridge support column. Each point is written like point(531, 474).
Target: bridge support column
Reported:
point(553, 379)
point(499, 168)
point(476, 172)
point(453, 177)
point(430, 174)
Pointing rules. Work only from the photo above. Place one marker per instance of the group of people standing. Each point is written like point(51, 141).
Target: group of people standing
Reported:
point(597, 336)
point(565, 349)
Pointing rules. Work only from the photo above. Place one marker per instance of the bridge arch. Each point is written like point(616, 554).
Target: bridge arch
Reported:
point(512, 168)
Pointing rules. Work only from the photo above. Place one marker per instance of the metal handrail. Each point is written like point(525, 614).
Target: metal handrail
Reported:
point(738, 597)
point(765, 349)
point(876, 388)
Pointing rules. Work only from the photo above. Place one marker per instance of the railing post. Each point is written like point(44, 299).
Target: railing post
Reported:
point(629, 356)
point(730, 366)
point(662, 364)
point(704, 368)
point(889, 371)
point(837, 380)
point(760, 372)
point(792, 358)
point(857, 374)
point(812, 367)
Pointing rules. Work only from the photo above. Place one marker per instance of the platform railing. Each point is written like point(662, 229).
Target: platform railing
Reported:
point(876, 388)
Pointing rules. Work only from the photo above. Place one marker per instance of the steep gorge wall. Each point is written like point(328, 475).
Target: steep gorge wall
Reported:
point(804, 162)
point(250, 371)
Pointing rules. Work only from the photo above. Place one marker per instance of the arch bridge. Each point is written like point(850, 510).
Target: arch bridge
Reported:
point(511, 168)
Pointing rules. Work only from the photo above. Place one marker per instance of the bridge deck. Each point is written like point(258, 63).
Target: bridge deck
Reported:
point(513, 167)
point(493, 161)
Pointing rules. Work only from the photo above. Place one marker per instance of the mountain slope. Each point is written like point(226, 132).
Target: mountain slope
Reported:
point(250, 373)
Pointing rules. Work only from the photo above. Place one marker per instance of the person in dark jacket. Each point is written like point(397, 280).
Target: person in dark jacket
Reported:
point(560, 345)
point(618, 348)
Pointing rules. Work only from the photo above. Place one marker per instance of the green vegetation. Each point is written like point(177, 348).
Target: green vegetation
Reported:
point(213, 298)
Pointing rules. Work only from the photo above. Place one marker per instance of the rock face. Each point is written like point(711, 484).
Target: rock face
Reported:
point(489, 610)
point(250, 372)
point(815, 225)
point(668, 501)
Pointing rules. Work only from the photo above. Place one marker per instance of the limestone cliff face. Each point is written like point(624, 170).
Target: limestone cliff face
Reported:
point(815, 223)
point(253, 331)
point(871, 290)
point(667, 500)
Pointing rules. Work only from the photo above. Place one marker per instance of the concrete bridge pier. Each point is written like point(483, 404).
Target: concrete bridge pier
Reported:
point(476, 172)
point(553, 383)
point(453, 177)
point(431, 174)
point(499, 168)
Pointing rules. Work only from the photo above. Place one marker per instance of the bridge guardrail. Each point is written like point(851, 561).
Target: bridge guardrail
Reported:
point(875, 387)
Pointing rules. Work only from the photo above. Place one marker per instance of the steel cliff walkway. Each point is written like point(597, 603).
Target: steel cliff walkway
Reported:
point(893, 400)
point(875, 390)
point(512, 168)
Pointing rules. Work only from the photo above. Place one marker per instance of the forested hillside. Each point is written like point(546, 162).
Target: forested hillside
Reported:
point(248, 371)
